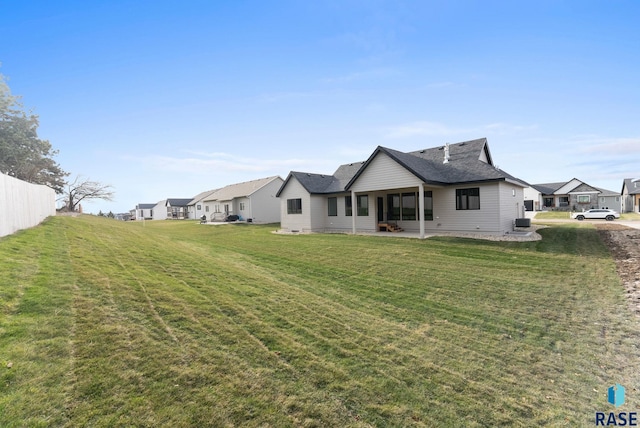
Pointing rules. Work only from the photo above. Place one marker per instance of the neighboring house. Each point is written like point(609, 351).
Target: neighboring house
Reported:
point(254, 200)
point(572, 195)
point(144, 211)
point(123, 216)
point(609, 199)
point(631, 195)
point(160, 210)
point(451, 188)
point(177, 209)
point(196, 206)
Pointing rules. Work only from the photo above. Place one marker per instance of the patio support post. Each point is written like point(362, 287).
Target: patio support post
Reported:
point(421, 208)
point(354, 211)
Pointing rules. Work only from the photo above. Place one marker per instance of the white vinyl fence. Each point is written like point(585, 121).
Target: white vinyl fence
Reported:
point(23, 205)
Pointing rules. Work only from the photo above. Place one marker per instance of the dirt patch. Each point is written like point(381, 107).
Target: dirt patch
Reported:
point(624, 244)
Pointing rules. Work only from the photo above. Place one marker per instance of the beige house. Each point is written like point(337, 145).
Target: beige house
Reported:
point(254, 201)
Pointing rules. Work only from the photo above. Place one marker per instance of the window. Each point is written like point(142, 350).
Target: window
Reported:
point(363, 205)
point(206, 208)
point(294, 206)
point(428, 205)
point(548, 202)
point(333, 207)
point(584, 199)
point(241, 206)
point(408, 206)
point(468, 199)
point(393, 206)
point(348, 210)
point(405, 206)
point(199, 207)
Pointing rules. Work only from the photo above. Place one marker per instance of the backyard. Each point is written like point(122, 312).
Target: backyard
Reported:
point(173, 323)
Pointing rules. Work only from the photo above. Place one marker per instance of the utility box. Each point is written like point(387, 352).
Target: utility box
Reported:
point(523, 222)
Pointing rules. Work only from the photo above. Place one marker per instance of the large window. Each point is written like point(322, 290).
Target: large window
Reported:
point(409, 206)
point(468, 199)
point(393, 206)
point(428, 205)
point(294, 206)
point(333, 207)
point(405, 207)
point(363, 205)
point(584, 199)
point(348, 210)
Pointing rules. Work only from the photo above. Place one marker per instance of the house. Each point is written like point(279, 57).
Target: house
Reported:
point(254, 200)
point(177, 209)
point(159, 210)
point(630, 195)
point(144, 211)
point(196, 207)
point(450, 188)
point(572, 195)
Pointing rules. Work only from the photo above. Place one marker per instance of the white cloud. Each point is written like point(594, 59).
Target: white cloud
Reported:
point(608, 146)
point(207, 163)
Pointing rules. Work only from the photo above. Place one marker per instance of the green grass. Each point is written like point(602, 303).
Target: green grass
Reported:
point(177, 324)
point(553, 215)
point(563, 215)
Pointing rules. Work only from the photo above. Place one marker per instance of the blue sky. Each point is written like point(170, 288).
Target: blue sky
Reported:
point(165, 99)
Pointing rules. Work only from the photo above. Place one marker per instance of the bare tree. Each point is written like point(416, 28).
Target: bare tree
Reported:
point(84, 190)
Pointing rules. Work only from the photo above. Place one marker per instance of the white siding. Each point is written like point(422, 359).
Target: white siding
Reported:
point(384, 173)
point(160, 211)
point(511, 205)
point(341, 222)
point(295, 222)
point(446, 218)
point(23, 205)
point(263, 205)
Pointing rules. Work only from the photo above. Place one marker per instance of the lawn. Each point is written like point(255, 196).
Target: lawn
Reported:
point(177, 324)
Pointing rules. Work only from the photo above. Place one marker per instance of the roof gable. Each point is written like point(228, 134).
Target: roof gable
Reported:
point(468, 162)
point(240, 190)
point(175, 202)
point(632, 185)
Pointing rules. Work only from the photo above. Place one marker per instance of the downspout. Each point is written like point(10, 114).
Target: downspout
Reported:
point(421, 208)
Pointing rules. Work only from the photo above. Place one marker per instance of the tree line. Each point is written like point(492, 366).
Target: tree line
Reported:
point(27, 157)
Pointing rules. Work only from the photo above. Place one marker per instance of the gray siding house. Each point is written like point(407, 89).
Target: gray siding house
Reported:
point(144, 211)
point(253, 200)
point(450, 188)
point(572, 195)
point(631, 195)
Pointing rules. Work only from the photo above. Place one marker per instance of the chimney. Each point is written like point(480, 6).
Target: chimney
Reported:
point(446, 153)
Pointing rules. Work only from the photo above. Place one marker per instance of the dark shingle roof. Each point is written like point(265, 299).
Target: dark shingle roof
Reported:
point(175, 202)
point(465, 165)
point(145, 206)
point(469, 161)
point(633, 185)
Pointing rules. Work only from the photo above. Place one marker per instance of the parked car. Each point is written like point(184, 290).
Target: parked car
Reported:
point(600, 213)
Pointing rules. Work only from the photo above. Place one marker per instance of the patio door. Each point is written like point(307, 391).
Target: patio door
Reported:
point(380, 209)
